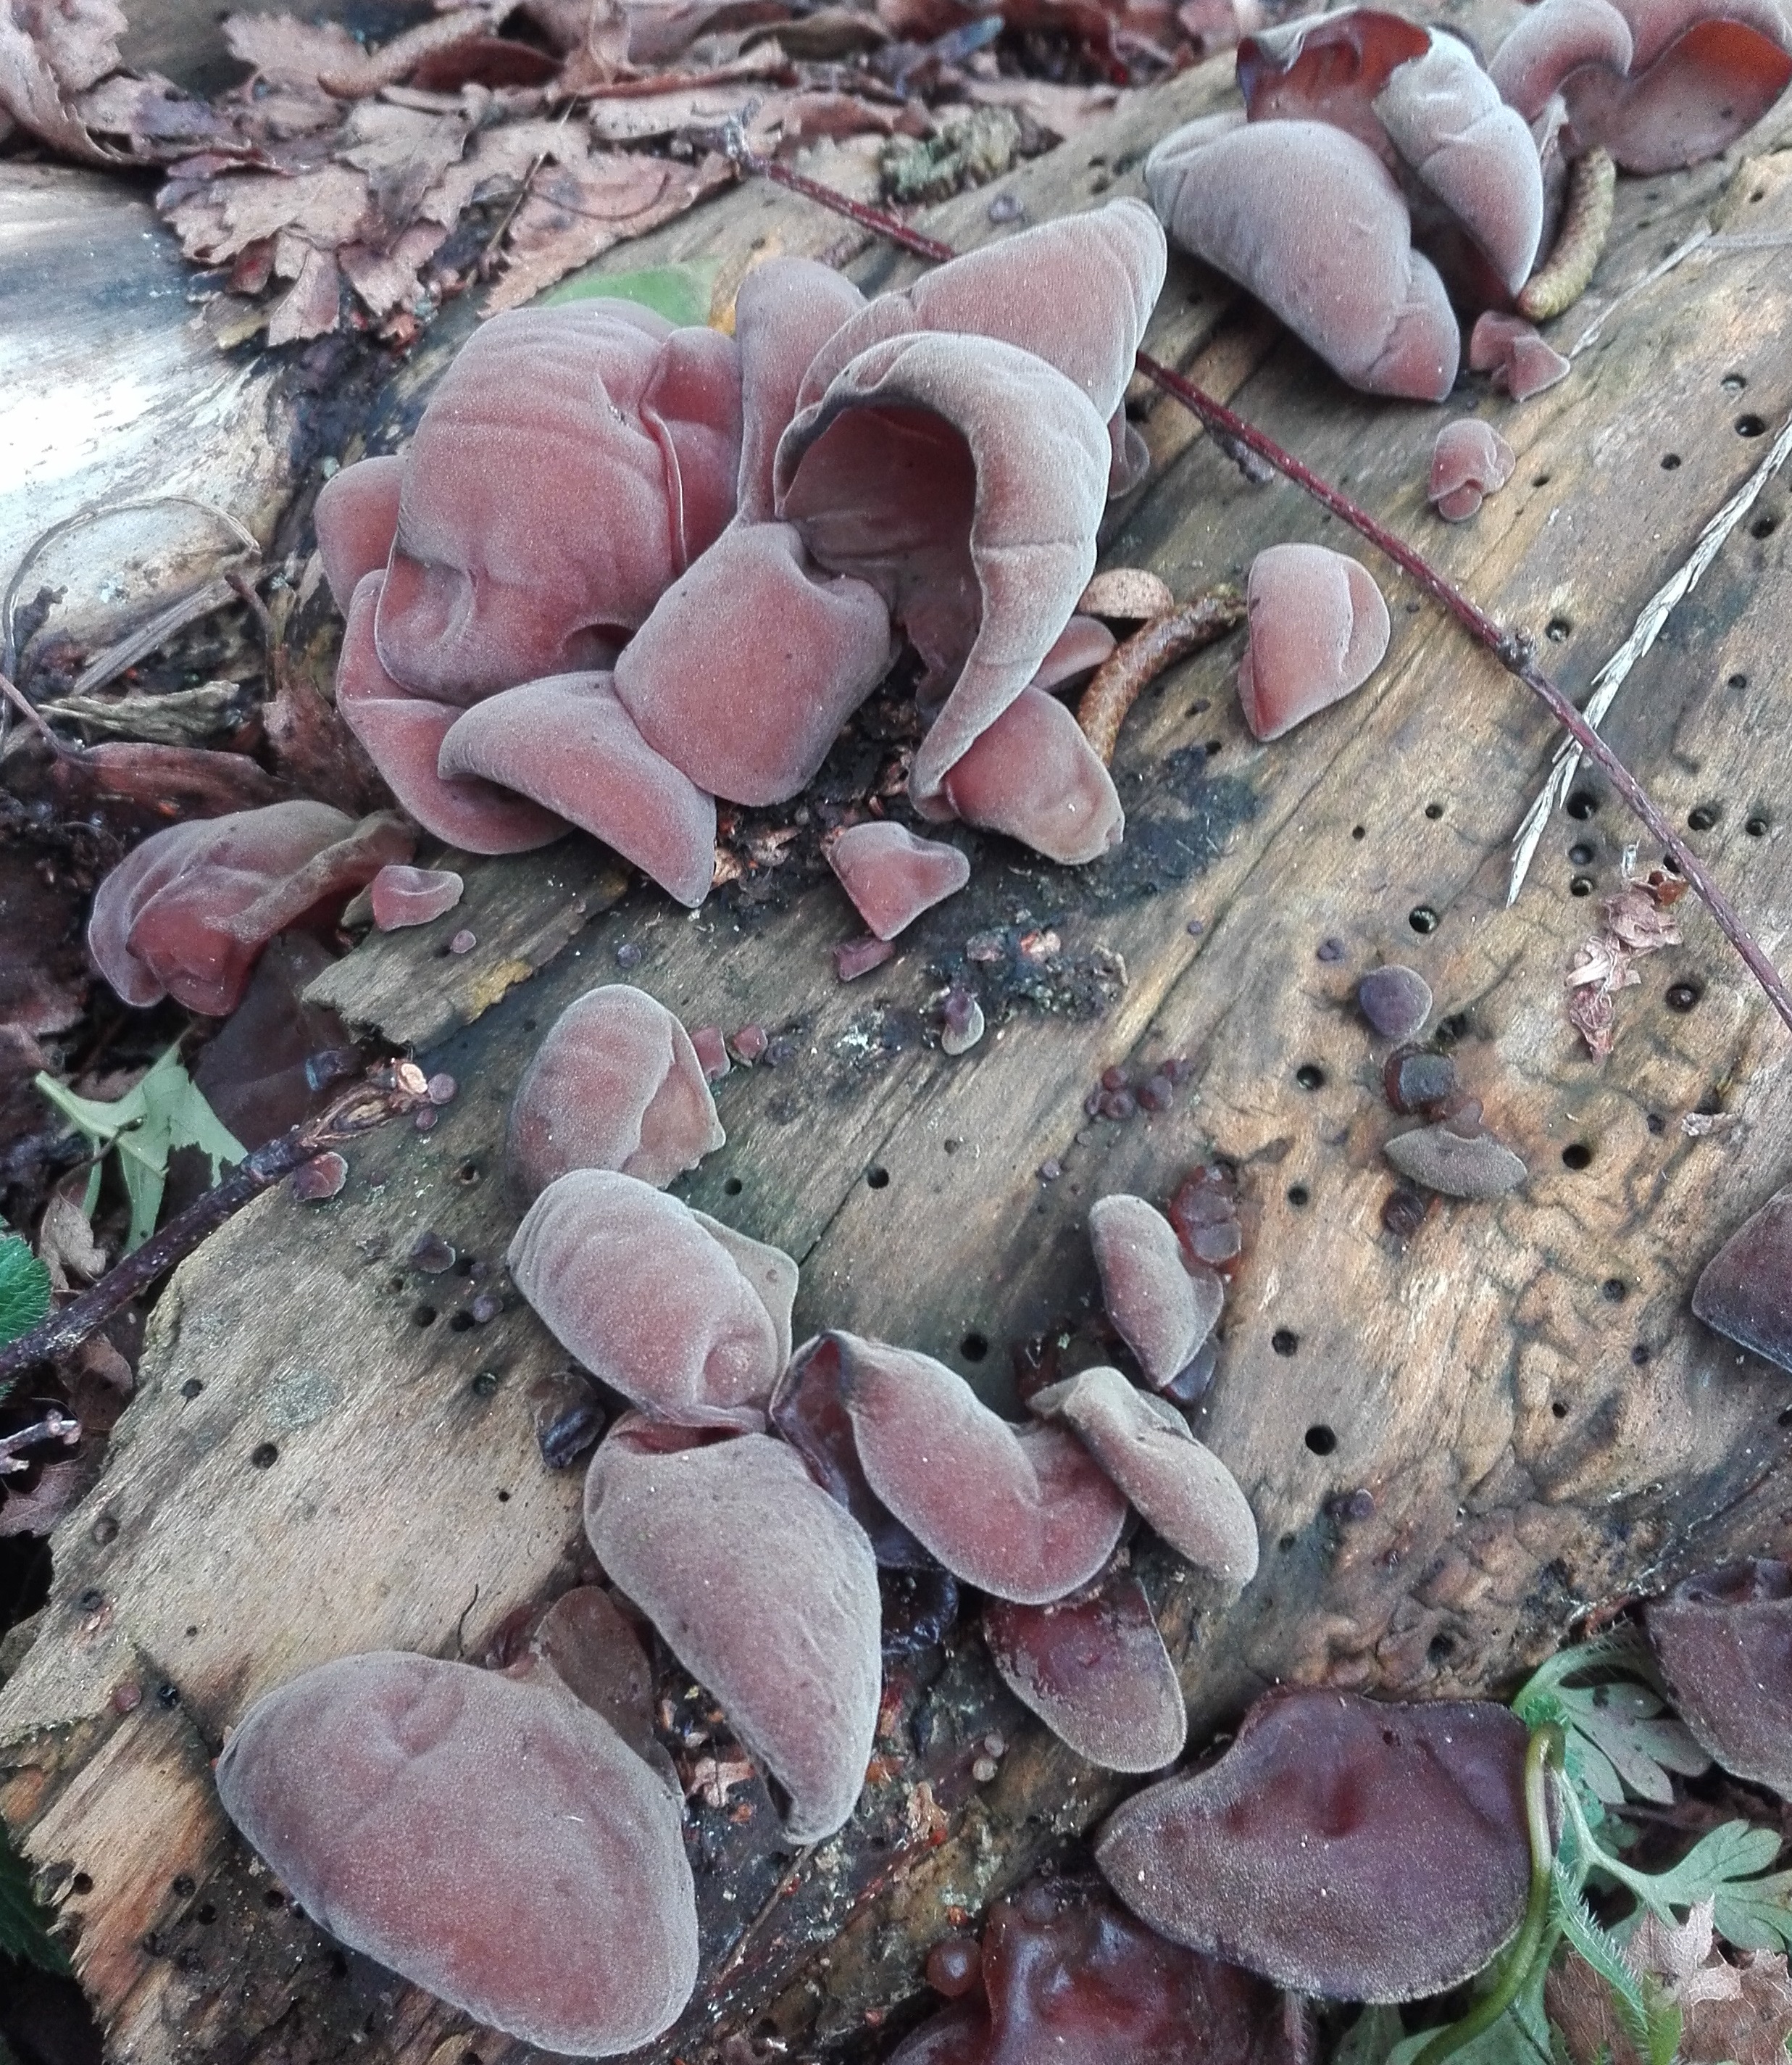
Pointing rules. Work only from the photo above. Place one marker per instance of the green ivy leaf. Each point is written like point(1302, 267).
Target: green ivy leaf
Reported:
point(143, 1127)
point(24, 1290)
point(681, 294)
point(24, 1920)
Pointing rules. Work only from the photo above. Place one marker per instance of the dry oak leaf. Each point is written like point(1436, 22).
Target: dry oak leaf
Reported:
point(49, 50)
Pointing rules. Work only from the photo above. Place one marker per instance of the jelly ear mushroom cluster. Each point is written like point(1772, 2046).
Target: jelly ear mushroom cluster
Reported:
point(1063, 1972)
point(1342, 1847)
point(1658, 84)
point(745, 533)
point(187, 913)
point(1724, 1641)
point(492, 1839)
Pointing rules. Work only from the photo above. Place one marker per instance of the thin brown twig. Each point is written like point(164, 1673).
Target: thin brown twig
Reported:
point(1123, 676)
point(1512, 651)
point(32, 715)
point(387, 1093)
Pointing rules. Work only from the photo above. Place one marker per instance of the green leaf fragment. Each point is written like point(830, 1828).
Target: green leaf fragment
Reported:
point(24, 1920)
point(682, 293)
point(24, 1290)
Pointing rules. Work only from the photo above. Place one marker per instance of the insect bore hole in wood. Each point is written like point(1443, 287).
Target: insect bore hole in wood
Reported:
point(1321, 1440)
point(1581, 805)
point(1701, 817)
point(1577, 1155)
point(877, 1178)
point(1751, 426)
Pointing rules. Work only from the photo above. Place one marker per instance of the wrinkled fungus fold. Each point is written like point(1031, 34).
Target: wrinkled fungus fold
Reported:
point(1470, 461)
point(1520, 362)
point(1343, 1846)
point(494, 1841)
point(401, 896)
point(808, 1410)
point(614, 1084)
point(653, 1301)
point(187, 913)
point(1024, 1512)
point(766, 1590)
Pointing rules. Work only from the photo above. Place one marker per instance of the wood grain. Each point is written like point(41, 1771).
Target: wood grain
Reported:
point(1453, 1445)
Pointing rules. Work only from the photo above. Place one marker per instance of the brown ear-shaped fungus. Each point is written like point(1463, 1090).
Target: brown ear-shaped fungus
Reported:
point(1724, 1641)
point(568, 742)
point(572, 463)
point(1457, 1158)
point(1033, 775)
point(1079, 649)
point(1339, 269)
point(614, 1084)
point(750, 715)
point(785, 311)
point(964, 479)
point(495, 1842)
point(1395, 1001)
point(585, 1641)
point(1329, 68)
point(1024, 1512)
point(1180, 1486)
point(1319, 628)
point(808, 1411)
point(1469, 462)
point(1064, 1975)
point(1094, 1668)
point(1552, 40)
point(402, 896)
point(1161, 1312)
point(1745, 1290)
point(1076, 293)
point(186, 913)
point(634, 1285)
point(892, 876)
point(1446, 119)
point(1515, 354)
point(766, 1591)
point(1343, 1847)
point(356, 516)
point(403, 733)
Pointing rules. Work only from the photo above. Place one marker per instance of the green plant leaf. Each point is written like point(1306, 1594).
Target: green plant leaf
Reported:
point(24, 1920)
point(164, 1111)
point(1757, 1914)
point(1522, 2036)
point(24, 1290)
point(1371, 2037)
point(681, 294)
point(1597, 1946)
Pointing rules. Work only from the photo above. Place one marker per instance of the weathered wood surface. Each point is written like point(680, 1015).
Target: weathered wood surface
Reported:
point(321, 1461)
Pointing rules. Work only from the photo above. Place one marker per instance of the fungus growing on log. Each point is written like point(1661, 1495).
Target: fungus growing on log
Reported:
point(1063, 1974)
point(766, 1590)
point(1339, 268)
point(1023, 1513)
point(1745, 1290)
point(1180, 1486)
point(1457, 1158)
point(1318, 629)
point(1342, 1847)
point(1161, 1312)
point(494, 1841)
point(187, 913)
point(401, 896)
point(356, 516)
point(1033, 775)
point(1516, 356)
point(1094, 1668)
point(687, 1319)
point(1205, 1213)
point(615, 1084)
point(567, 742)
point(1469, 462)
point(1395, 1001)
point(892, 876)
point(808, 1410)
point(1724, 1641)
point(1659, 84)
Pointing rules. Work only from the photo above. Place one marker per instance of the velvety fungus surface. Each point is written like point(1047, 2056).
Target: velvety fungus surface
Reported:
point(641, 1291)
point(1161, 1311)
point(1745, 1290)
point(808, 1410)
point(495, 1842)
point(1342, 1847)
point(1179, 1486)
point(766, 1590)
point(1094, 1668)
point(892, 876)
point(615, 1084)
point(1033, 775)
point(1457, 1158)
point(1469, 462)
point(187, 913)
point(1395, 1001)
point(1319, 628)
point(1724, 1641)
point(402, 896)
point(1515, 355)
point(1023, 1513)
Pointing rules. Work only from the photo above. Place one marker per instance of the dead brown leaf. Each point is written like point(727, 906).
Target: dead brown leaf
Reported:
point(1731, 2013)
point(50, 50)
